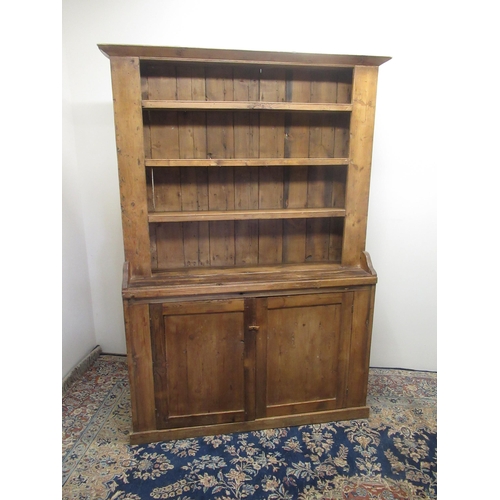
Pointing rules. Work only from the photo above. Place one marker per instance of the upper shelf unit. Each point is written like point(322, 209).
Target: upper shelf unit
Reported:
point(241, 158)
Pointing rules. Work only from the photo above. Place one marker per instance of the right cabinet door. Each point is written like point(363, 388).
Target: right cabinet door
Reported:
point(302, 353)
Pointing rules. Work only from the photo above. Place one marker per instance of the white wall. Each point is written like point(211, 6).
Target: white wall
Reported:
point(78, 337)
point(402, 226)
point(402, 214)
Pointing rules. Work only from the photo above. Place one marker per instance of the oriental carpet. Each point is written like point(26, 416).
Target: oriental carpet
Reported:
point(389, 456)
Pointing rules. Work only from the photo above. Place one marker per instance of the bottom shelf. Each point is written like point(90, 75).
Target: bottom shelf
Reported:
point(247, 279)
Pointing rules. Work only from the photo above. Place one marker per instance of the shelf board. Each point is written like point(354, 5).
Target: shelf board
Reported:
point(219, 215)
point(245, 105)
point(220, 280)
point(245, 162)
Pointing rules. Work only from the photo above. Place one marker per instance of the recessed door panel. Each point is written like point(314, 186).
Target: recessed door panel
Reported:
point(306, 343)
point(205, 362)
point(202, 379)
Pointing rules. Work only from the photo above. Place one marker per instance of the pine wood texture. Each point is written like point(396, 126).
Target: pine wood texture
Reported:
point(249, 105)
point(129, 145)
point(245, 162)
point(215, 129)
point(244, 182)
point(264, 214)
point(139, 357)
point(185, 54)
point(316, 417)
point(304, 336)
point(361, 142)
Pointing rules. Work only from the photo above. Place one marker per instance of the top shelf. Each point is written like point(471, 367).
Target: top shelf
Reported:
point(245, 105)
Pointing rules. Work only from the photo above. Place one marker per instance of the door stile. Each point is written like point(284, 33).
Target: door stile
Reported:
point(160, 368)
point(251, 332)
point(344, 349)
point(261, 358)
point(359, 351)
point(137, 330)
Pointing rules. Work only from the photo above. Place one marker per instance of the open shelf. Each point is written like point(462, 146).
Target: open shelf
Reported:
point(244, 105)
point(219, 215)
point(245, 162)
point(246, 279)
point(223, 216)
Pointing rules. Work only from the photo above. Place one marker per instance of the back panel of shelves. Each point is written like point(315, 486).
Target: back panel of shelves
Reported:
point(208, 160)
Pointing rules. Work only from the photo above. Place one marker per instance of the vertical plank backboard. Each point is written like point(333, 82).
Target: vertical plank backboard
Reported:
point(146, 127)
point(193, 181)
point(321, 144)
point(127, 93)
point(272, 144)
point(246, 179)
point(344, 95)
point(220, 144)
point(360, 152)
point(164, 136)
point(295, 178)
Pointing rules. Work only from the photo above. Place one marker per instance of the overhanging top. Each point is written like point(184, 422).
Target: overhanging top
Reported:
point(239, 56)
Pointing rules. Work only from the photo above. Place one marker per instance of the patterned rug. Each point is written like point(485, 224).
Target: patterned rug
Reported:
point(389, 456)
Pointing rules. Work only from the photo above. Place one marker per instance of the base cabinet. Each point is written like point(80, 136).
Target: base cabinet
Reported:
point(238, 364)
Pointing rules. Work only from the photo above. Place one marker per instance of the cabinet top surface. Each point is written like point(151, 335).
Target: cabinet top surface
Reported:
point(239, 56)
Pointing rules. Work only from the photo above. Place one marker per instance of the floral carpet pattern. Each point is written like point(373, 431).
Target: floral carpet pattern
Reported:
point(392, 455)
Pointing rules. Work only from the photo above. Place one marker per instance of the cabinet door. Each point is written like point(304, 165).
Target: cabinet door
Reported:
point(304, 354)
point(200, 362)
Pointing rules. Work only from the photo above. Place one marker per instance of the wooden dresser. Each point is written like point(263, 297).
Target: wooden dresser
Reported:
point(244, 180)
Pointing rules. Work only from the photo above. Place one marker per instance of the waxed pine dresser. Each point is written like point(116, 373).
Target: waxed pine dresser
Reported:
point(244, 179)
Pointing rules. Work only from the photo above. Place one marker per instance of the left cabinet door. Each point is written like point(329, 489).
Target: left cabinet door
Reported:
point(202, 367)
